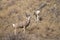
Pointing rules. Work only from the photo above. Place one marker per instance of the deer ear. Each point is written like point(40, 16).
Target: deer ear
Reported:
point(27, 14)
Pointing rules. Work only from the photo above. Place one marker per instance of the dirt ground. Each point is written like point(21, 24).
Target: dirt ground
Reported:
point(47, 28)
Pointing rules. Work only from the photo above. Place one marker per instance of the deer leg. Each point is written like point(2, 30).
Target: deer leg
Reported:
point(15, 31)
point(24, 29)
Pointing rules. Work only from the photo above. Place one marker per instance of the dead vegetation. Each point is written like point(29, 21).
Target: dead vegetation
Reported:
point(13, 11)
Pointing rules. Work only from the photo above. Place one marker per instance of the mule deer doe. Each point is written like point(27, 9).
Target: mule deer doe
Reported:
point(22, 24)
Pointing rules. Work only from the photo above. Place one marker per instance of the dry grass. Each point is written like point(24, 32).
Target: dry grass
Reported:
point(12, 11)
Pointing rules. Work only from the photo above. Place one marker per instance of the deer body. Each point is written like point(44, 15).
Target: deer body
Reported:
point(22, 24)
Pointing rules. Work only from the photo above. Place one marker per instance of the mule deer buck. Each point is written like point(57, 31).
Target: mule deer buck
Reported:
point(22, 24)
point(37, 15)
